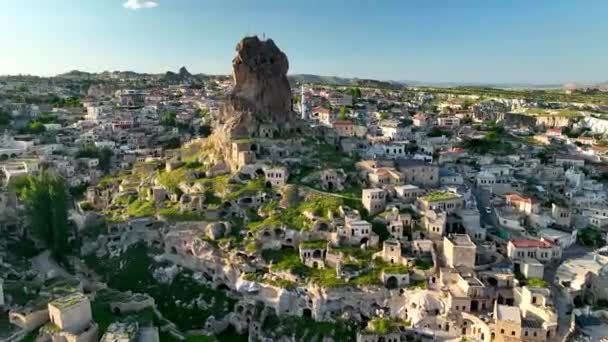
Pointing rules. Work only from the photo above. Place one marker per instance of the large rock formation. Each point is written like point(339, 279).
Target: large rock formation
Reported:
point(261, 95)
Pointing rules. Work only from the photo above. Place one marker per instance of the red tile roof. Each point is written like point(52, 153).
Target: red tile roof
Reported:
point(342, 123)
point(517, 198)
point(320, 110)
point(531, 243)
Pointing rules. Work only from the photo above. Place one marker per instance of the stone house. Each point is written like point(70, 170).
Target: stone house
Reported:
point(561, 214)
point(374, 200)
point(434, 222)
point(569, 160)
point(312, 253)
point(267, 131)
point(539, 318)
point(344, 128)
point(332, 179)
point(507, 326)
point(526, 205)
point(395, 279)
point(358, 232)
point(192, 203)
point(465, 292)
point(442, 200)
point(532, 269)
point(596, 215)
point(449, 177)
point(29, 318)
point(243, 153)
point(459, 250)
point(391, 252)
point(384, 176)
point(276, 176)
point(541, 250)
point(73, 317)
point(418, 172)
point(157, 194)
point(408, 193)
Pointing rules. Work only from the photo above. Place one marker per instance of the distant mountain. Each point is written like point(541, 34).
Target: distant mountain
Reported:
point(182, 76)
point(333, 80)
point(575, 85)
point(308, 78)
point(76, 74)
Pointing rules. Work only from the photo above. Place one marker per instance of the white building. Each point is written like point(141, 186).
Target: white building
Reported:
point(339, 100)
point(276, 176)
point(9, 147)
point(558, 237)
point(541, 250)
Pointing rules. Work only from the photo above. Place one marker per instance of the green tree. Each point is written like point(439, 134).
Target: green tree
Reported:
point(34, 127)
point(105, 159)
point(88, 151)
point(5, 118)
point(169, 119)
point(342, 113)
point(202, 113)
point(355, 92)
point(46, 211)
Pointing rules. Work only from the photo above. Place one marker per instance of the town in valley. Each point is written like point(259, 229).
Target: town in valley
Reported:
point(271, 206)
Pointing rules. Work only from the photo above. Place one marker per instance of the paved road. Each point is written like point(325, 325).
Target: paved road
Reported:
point(483, 199)
point(560, 301)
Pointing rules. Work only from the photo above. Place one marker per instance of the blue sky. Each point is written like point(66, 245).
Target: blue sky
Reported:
point(535, 41)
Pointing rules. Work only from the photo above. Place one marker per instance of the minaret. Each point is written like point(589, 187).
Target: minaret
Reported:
point(302, 104)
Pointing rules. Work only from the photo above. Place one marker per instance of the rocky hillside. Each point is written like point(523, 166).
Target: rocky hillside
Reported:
point(262, 94)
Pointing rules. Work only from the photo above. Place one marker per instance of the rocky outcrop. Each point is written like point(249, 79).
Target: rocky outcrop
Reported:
point(261, 99)
point(524, 120)
point(183, 76)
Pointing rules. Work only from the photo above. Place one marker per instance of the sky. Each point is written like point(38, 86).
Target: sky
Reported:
point(497, 41)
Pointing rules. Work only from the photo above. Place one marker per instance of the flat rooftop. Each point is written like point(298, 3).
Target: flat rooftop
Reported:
point(508, 313)
point(69, 300)
point(461, 240)
point(439, 196)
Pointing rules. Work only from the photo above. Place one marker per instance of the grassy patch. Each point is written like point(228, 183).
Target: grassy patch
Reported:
point(439, 196)
point(537, 282)
point(294, 218)
point(591, 237)
point(171, 179)
point(330, 156)
point(382, 326)
point(250, 188)
point(423, 265)
point(305, 329)
point(141, 208)
point(174, 214)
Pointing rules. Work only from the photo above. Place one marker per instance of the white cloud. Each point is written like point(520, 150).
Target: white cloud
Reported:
point(139, 4)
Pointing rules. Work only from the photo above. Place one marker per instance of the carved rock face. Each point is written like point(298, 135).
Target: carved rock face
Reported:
point(260, 76)
point(261, 94)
